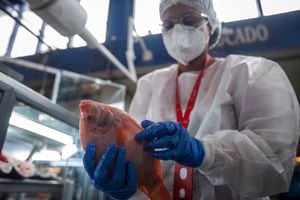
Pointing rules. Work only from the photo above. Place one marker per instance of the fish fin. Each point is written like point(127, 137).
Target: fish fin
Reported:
point(160, 193)
point(144, 190)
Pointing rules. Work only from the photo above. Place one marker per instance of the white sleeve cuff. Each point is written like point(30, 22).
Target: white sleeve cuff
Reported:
point(209, 157)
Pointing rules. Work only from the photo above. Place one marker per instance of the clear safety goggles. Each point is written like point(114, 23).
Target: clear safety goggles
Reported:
point(189, 20)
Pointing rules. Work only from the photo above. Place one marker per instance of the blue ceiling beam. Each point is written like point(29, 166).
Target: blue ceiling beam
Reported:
point(117, 21)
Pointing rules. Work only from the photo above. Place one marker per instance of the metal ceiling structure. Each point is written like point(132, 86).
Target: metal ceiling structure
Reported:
point(275, 37)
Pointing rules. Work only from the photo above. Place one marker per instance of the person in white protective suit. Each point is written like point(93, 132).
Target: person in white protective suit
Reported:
point(224, 128)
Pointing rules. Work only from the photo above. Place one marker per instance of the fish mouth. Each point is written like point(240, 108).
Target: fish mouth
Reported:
point(85, 107)
point(89, 108)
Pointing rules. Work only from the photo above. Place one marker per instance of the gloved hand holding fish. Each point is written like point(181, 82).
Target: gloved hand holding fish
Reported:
point(114, 160)
point(169, 140)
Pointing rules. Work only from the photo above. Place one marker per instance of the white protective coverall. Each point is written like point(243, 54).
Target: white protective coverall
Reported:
point(247, 117)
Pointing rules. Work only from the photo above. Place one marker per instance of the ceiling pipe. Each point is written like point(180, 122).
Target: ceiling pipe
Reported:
point(69, 18)
point(259, 8)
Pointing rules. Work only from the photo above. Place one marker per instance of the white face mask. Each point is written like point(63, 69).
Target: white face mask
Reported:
point(184, 43)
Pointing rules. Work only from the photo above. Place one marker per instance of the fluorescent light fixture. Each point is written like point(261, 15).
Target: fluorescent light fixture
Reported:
point(68, 151)
point(47, 155)
point(20, 121)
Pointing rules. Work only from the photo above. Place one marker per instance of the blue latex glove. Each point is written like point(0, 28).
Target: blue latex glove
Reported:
point(169, 140)
point(122, 183)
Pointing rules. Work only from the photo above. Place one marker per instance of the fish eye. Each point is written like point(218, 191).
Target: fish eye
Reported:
point(89, 118)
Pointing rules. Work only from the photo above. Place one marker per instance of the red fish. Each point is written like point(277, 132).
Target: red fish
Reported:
point(105, 125)
point(14, 168)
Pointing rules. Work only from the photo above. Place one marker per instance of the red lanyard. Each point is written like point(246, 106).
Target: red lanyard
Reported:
point(183, 176)
point(184, 119)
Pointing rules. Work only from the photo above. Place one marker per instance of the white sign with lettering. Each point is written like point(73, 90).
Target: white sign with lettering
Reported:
point(244, 35)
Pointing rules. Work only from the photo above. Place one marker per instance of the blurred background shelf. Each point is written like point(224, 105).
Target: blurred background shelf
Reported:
point(61, 190)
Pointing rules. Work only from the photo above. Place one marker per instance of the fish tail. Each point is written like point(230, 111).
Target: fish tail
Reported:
point(160, 193)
